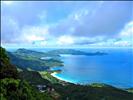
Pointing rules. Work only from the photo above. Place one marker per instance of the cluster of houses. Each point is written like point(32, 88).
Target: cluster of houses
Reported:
point(48, 89)
point(44, 88)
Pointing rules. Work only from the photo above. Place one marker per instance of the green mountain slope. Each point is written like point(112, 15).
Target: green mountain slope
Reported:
point(33, 77)
point(92, 92)
point(32, 59)
point(25, 52)
point(13, 88)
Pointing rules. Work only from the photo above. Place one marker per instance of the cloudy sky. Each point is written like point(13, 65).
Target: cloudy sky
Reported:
point(67, 24)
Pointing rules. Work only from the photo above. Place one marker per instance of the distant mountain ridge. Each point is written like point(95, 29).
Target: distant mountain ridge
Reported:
point(34, 53)
point(76, 52)
point(25, 58)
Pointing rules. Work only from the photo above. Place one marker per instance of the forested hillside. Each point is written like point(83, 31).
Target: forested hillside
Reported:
point(14, 88)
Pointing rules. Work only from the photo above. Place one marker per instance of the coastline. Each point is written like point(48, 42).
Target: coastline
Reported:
point(62, 79)
point(73, 82)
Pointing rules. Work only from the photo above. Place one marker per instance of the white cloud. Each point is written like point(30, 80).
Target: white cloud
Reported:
point(112, 42)
point(128, 30)
point(73, 40)
point(86, 25)
point(9, 29)
point(80, 14)
point(126, 35)
point(43, 17)
point(44, 43)
point(7, 2)
point(34, 33)
point(65, 40)
point(88, 40)
point(40, 43)
point(122, 43)
point(92, 21)
point(33, 37)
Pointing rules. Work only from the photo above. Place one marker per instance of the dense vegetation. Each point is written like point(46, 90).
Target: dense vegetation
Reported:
point(7, 70)
point(33, 77)
point(49, 77)
point(35, 54)
point(31, 59)
point(92, 92)
point(14, 88)
point(81, 92)
point(22, 86)
point(130, 90)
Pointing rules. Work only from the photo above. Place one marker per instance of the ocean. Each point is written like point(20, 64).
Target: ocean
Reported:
point(114, 69)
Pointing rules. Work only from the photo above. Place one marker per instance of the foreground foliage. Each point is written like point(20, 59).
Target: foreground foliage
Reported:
point(13, 88)
point(21, 86)
point(102, 92)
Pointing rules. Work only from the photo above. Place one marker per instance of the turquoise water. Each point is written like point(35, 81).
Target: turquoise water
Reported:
point(115, 69)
